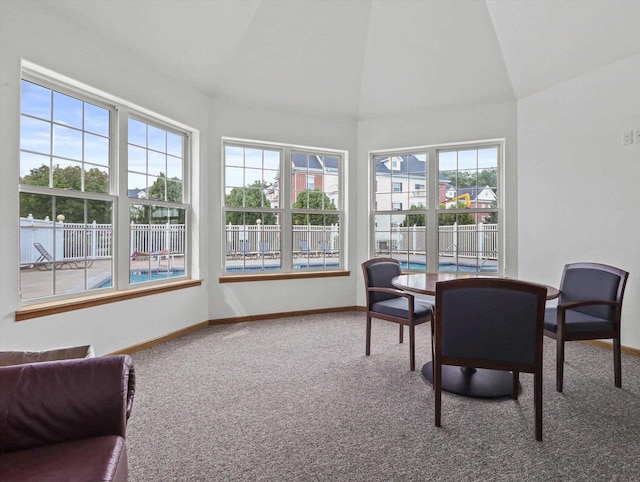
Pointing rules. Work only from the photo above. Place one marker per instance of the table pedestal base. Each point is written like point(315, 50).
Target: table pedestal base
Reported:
point(473, 382)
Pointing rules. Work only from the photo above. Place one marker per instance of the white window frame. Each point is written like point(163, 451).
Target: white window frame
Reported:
point(285, 211)
point(431, 210)
point(120, 110)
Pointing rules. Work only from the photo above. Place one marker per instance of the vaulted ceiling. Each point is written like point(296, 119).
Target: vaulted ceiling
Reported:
point(364, 58)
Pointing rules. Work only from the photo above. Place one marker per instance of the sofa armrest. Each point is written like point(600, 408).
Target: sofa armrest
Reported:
point(52, 402)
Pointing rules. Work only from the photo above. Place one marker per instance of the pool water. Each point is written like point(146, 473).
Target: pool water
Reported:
point(451, 267)
point(404, 265)
point(142, 276)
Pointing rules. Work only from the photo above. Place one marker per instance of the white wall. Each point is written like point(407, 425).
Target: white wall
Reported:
point(578, 184)
point(466, 123)
point(254, 298)
point(28, 32)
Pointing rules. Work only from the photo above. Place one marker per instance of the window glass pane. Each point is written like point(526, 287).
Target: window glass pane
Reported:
point(96, 179)
point(234, 176)
point(64, 254)
point(174, 144)
point(467, 159)
point(157, 187)
point(253, 158)
point(234, 156)
point(253, 177)
point(316, 241)
point(174, 191)
point(34, 169)
point(174, 168)
point(96, 149)
point(67, 110)
point(252, 242)
point(67, 142)
point(67, 174)
point(157, 138)
point(35, 135)
point(158, 236)
point(137, 133)
point(156, 163)
point(271, 160)
point(96, 119)
point(137, 187)
point(35, 100)
point(137, 159)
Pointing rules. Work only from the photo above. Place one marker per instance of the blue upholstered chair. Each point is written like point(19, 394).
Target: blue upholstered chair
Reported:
point(589, 308)
point(490, 323)
point(385, 302)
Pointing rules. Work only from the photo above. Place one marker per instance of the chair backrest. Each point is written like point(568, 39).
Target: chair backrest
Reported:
point(304, 246)
point(41, 249)
point(593, 281)
point(263, 246)
point(490, 322)
point(378, 273)
point(245, 246)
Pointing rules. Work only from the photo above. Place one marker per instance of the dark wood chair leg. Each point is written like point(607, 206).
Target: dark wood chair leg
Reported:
point(368, 345)
point(617, 362)
point(401, 337)
point(412, 346)
point(537, 400)
point(559, 364)
point(437, 381)
point(516, 385)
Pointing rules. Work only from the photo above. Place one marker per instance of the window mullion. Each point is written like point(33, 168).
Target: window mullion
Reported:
point(286, 218)
point(433, 181)
point(121, 211)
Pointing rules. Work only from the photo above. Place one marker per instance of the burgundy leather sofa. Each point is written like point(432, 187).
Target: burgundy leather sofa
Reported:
point(66, 420)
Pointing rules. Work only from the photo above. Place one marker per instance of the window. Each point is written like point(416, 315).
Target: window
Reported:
point(451, 218)
point(276, 219)
point(397, 187)
point(158, 215)
point(69, 199)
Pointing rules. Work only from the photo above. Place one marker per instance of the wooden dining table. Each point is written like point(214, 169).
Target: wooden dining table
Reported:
point(468, 381)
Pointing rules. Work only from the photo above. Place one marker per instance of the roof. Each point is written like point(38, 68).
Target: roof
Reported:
point(410, 165)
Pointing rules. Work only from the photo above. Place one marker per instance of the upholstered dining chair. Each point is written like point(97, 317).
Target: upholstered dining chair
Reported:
point(490, 323)
point(391, 304)
point(589, 308)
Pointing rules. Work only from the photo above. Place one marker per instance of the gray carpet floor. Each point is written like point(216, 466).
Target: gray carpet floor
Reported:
point(296, 399)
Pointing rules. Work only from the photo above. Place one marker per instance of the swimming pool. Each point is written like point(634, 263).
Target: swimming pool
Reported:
point(144, 275)
point(403, 264)
point(451, 267)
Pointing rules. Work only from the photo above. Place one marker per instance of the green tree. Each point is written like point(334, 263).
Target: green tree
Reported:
point(449, 219)
point(173, 189)
point(250, 196)
point(147, 214)
point(414, 219)
point(462, 179)
point(41, 206)
point(319, 201)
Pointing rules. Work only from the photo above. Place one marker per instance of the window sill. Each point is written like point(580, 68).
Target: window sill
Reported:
point(240, 278)
point(62, 306)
